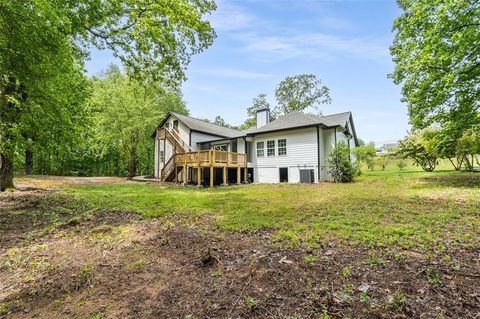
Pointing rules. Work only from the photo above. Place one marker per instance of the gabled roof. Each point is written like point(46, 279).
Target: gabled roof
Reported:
point(292, 120)
point(297, 119)
point(203, 126)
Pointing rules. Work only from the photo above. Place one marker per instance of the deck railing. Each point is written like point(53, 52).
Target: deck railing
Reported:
point(210, 157)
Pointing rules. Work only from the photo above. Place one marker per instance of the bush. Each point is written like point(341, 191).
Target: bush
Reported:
point(340, 164)
point(402, 164)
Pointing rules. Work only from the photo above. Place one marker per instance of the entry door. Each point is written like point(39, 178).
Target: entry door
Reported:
point(283, 174)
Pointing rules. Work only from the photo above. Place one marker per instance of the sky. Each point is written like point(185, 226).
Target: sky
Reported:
point(260, 42)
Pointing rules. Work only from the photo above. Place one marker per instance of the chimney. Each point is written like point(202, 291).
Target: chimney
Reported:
point(263, 116)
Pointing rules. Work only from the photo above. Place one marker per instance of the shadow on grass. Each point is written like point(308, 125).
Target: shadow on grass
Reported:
point(460, 180)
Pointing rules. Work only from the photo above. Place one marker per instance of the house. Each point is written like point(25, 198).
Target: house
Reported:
point(293, 148)
point(386, 148)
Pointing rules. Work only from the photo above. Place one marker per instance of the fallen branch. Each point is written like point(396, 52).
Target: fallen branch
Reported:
point(240, 296)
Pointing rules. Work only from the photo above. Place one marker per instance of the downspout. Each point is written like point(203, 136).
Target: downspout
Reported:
point(318, 153)
point(335, 136)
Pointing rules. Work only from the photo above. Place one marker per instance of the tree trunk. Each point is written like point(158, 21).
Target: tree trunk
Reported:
point(116, 169)
point(6, 172)
point(132, 165)
point(28, 162)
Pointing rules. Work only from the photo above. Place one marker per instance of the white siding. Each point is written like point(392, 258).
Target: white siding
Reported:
point(198, 137)
point(155, 161)
point(301, 154)
point(262, 118)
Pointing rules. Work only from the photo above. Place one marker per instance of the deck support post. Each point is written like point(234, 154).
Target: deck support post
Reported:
point(212, 161)
point(245, 174)
point(225, 176)
point(238, 175)
point(185, 170)
point(199, 177)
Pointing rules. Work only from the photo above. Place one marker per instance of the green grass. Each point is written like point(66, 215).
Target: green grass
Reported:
point(387, 208)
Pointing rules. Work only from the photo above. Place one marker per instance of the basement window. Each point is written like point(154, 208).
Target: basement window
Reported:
point(270, 148)
point(282, 147)
point(260, 149)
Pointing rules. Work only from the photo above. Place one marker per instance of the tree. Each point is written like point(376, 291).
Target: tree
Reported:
point(468, 147)
point(420, 146)
point(341, 167)
point(259, 102)
point(365, 154)
point(126, 112)
point(436, 52)
point(401, 164)
point(44, 42)
point(219, 120)
point(299, 92)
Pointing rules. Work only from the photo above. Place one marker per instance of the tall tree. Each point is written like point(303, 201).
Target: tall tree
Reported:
point(299, 92)
point(259, 102)
point(44, 41)
point(125, 113)
point(436, 51)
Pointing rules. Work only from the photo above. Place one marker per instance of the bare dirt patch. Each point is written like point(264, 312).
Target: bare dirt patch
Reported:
point(112, 264)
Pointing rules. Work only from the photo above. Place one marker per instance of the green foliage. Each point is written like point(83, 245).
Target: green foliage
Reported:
point(259, 102)
point(365, 154)
point(44, 44)
point(125, 113)
point(401, 164)
point(468, 148)
point(251, 302)
point(396, 301)
point(299, 92)
point(436, 60)
point(420, 146)
point(341, 167)
point(382, 161)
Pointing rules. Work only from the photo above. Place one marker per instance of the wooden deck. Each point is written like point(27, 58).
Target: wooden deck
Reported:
point(209, 159)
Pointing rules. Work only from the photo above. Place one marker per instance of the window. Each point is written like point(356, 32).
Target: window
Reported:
point(175, 125)
point(270, 148)
point(260, 149)
point(221, 147)
point(162, 157)
point(282, 147)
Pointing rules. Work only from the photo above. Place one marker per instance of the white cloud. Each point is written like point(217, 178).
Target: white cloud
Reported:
point(231, 17)
point(293, 44)
point(232, 73)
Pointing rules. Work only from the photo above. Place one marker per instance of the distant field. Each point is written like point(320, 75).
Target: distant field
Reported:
point(394, 244)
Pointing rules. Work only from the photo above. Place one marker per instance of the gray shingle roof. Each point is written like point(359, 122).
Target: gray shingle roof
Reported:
point(298, 119)
point(200, 125)
point(291, 120)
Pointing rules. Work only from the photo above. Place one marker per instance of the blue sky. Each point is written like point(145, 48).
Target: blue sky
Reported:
point(260, 42)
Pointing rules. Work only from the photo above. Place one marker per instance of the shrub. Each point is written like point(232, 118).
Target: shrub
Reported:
point(402, 164)
point(341, 166)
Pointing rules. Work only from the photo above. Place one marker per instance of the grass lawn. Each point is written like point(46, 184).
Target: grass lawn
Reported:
point(382, 208)
point(394, 244)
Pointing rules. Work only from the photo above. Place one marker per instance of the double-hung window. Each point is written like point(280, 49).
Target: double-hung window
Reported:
point(271, 148)
point(282, 147)
point(260, 149)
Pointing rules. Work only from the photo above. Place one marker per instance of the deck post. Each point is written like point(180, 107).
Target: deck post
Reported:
point(199, 177)
point(185, 173)
point(212, 160)
point(224, 175)
point(245, 170)
point(238, 174)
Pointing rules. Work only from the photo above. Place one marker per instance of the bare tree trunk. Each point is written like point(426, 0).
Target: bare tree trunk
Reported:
point(132, 165)
point(6, 173)
point(28, 162)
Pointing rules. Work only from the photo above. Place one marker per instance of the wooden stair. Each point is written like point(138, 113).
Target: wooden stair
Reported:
point(179, 146)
